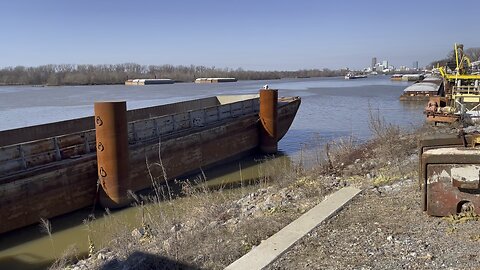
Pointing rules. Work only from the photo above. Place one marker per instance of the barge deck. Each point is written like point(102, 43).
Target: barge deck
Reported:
point(50, 170)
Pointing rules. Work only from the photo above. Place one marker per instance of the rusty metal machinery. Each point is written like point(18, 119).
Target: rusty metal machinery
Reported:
point(269, 120)
point(461, 100)
point(112, 153)
point(450, 174)
point(435, 141)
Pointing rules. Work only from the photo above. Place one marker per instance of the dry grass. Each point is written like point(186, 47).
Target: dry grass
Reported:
point(204, 226)
point(68, 257)
point(209, 227)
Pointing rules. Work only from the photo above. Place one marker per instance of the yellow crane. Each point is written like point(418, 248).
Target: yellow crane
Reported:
point(461, 90)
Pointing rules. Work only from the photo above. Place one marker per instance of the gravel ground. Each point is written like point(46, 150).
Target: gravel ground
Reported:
point(382, 228)
point(385, 228)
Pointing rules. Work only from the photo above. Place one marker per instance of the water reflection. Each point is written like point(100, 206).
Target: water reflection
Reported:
point(28, 248)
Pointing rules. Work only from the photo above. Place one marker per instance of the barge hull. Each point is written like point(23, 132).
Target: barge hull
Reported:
point(54, 187)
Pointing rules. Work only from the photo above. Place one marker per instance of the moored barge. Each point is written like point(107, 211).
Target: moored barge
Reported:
point(423, 90)
point(148, 81)
point(215, 80)
point(51, 169)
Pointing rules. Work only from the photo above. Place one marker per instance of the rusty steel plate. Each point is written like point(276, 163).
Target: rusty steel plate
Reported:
point(452, 178)
point(431, 142)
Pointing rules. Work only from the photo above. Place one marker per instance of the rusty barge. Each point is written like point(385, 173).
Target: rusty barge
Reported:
point(53, 169)
point(423, 90)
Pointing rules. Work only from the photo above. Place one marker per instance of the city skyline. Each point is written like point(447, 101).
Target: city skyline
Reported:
point(386, 66)
point(266, 35)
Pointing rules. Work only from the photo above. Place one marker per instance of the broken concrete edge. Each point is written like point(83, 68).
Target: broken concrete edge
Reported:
point(272, 248)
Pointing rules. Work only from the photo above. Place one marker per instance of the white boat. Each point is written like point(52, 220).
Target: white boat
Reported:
point(350, 76)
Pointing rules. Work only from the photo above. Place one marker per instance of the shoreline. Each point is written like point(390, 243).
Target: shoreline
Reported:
point(123, 83)
point(214, 230)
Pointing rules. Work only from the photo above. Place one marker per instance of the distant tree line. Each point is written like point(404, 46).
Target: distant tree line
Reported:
point(67, 74)
point(449, 60)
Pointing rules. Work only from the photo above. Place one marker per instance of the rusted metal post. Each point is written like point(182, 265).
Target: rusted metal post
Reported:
point(269, 120)
point(112, 153)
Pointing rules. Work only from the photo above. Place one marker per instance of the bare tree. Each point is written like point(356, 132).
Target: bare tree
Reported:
point(68, 74)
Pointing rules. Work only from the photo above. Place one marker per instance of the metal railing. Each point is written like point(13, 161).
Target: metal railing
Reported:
point(466, 89)
point(24, 156)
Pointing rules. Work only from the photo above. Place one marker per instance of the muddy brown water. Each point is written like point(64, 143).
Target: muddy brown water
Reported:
point(331, 108)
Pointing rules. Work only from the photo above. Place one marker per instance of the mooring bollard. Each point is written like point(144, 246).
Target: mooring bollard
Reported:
point(112, 153)
point(269, 120)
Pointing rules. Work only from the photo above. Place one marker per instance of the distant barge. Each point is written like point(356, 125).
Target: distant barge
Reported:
point(51, 169)
point(423, 90)
point(148, 81)
point(215, 80)
point(407, 77)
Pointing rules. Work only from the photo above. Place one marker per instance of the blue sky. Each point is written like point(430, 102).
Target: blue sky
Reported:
point(259, 35)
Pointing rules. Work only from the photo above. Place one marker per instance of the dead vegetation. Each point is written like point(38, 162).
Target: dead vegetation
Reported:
point(385, 227)
point(201, 227)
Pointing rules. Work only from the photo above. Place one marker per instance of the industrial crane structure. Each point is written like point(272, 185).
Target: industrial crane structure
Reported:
point(460, 100)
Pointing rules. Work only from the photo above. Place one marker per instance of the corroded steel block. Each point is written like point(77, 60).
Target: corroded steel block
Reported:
point(435, 141)
point(452, 177)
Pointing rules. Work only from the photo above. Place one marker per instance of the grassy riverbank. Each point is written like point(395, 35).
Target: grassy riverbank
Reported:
point(209, 229)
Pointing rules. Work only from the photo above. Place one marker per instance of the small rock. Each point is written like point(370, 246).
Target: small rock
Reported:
point(213, 224)
point(136, 233)
point(376, 190)
point(101, 256)
point(231, 221)
point(176, 228)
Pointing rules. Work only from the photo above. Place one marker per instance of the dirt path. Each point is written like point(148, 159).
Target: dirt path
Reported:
point(385, 228)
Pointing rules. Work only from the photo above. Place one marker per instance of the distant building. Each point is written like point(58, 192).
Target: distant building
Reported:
point(379, 67)
point(374, 62)
point(402, 69)
point(415, 65)
point(385, 63)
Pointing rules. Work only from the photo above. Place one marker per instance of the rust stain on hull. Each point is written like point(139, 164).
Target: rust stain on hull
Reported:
point(25, 200)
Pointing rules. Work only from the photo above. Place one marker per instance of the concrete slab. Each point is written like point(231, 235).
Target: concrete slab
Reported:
point(270, 249)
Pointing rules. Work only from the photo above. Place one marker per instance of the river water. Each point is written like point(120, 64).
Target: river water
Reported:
point(331, 108)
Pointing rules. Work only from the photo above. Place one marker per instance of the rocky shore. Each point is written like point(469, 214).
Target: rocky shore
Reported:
point(383, 228)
